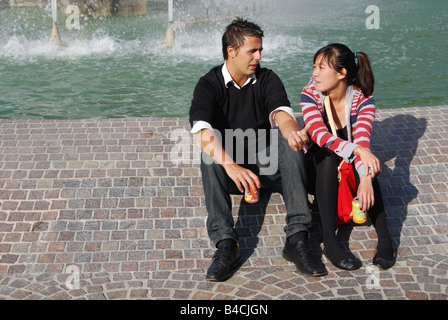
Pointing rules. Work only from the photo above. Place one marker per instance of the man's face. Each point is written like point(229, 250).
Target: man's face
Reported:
point(244, 61)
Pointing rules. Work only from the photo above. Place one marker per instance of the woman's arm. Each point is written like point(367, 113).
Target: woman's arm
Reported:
point(365, 191)
point(366, 163)
point(311, 104)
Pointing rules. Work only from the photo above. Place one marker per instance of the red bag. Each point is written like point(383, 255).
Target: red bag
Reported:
point(346, 193)
point(346, 175)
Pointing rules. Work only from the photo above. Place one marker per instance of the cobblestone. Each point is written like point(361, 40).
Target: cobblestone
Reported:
point(114, 209)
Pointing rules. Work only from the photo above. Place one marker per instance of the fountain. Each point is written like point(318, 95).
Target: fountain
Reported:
point(130, 66)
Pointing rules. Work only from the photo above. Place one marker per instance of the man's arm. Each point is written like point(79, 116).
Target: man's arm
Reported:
point(290, 130)
point(243, 178)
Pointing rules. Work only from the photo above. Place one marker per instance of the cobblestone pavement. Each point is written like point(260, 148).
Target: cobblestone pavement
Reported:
point(114, 209)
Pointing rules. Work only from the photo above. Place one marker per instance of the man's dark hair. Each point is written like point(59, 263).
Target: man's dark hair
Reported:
point(236, 32)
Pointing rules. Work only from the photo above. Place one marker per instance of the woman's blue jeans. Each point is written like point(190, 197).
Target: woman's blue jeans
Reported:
point(291, 172)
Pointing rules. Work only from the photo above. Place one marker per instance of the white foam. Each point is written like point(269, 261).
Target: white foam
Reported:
point(21, 48)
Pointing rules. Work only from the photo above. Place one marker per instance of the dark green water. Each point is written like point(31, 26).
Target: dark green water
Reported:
point(117, 66)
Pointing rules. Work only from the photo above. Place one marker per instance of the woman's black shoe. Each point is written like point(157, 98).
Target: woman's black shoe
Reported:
point(349, 264)
point(383, 263)
point(225, 260)
point(381, 257)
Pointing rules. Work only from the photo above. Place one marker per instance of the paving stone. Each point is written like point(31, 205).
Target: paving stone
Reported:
point(107, 198)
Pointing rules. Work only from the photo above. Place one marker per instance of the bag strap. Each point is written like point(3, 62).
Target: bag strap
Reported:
point(329, 114)
point(333, 128)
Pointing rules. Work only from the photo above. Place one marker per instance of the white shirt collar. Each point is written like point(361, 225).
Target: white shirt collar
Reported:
point(228, 78)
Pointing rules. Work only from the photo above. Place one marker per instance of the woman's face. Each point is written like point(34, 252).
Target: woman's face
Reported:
point(326, 78)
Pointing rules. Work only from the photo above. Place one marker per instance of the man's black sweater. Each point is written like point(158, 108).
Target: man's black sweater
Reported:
point(227, 107)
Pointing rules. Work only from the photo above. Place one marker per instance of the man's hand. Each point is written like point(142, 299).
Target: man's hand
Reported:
point(290, 129)
point(244, 179)
point(298, 139)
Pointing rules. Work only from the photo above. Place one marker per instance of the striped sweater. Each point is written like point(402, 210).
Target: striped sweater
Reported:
point(359, 112)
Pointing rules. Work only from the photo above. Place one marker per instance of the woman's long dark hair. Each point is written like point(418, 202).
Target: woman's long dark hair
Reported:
point(341, 57)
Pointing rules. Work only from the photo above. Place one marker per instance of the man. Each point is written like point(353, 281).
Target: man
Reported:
point(243, 100)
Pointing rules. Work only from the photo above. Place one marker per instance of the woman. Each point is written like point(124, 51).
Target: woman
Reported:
point(347, 79)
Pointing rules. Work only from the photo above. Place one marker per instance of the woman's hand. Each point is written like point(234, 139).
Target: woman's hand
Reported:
point(370, 161)
point(365, 189)
point(365, 193)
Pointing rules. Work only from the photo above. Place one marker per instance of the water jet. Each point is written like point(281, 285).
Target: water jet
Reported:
point(169, 37)
point(55, 36)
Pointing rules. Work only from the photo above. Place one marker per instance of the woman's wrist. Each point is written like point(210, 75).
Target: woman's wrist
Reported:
point(366, 178)
point(358, 151)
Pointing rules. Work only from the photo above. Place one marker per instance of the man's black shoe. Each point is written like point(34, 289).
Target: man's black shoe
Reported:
point(225, 260)
point(300, 254)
